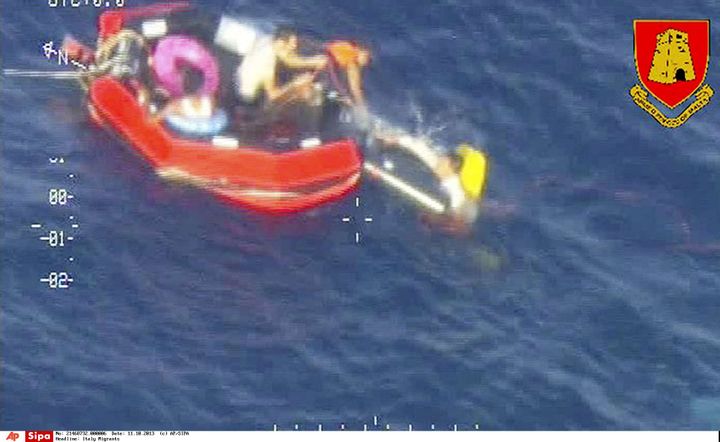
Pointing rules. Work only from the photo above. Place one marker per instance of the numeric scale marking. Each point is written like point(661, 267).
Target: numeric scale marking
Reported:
point(378, 426)
point(59, 237)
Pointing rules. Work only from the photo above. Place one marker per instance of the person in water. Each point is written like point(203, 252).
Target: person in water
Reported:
point(461, 176)
point(351, 58)
point(258, 72)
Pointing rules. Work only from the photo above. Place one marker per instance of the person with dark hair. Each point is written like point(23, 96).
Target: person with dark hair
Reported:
point(258, 72)
point(195, 113)
point(193, 103)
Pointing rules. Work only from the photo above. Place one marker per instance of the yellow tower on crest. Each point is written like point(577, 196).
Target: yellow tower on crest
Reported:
point(672, 61)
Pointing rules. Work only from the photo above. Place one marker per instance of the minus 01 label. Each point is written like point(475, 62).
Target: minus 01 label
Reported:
point(56, 238)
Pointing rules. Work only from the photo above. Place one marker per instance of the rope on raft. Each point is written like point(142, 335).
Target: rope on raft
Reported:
point(105, 47)
point(180, 176)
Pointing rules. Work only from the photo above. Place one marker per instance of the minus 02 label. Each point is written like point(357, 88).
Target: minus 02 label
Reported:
point(57, 280)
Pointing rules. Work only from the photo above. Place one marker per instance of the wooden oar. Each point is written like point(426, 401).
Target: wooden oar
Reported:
point(405, 188)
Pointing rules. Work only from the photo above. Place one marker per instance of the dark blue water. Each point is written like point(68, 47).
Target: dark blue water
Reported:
point(593, 304)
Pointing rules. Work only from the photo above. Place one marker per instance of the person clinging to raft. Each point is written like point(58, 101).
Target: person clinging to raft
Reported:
point(350, 58)
point(461, 177)
point(258, 72)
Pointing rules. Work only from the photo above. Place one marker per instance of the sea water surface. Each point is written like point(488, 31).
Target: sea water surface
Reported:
point(590, 302)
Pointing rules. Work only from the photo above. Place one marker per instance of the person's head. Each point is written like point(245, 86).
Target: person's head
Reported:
point(286, 36)
point(193, 80)
point(447, 166)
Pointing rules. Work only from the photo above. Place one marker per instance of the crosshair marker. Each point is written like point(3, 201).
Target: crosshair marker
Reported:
point(366, 219)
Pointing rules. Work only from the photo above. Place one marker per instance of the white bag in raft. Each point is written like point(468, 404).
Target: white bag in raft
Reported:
point(235, 36)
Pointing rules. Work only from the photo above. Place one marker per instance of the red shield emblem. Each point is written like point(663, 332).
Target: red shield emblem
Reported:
point(671, 57)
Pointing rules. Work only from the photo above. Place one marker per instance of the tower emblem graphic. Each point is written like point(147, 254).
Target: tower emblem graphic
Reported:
point(671, 58)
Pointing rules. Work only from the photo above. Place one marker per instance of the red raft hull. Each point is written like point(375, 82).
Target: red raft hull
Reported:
point(251, 177)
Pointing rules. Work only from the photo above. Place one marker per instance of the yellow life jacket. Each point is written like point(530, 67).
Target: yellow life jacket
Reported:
point(473, 170)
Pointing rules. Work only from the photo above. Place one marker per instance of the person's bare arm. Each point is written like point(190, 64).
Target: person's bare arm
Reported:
point(271, 88)
point(354, 76)
point(417, 147)
point(291, 91)
point(295, 61)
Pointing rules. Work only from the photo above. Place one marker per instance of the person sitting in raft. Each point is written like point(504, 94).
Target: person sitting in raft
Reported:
point(462, 177)
point(258, 72)
point(351, 58)
point(190, 106)
point(194, 114)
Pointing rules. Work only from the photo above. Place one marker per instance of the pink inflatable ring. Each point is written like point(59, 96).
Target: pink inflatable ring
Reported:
point(174, 50)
